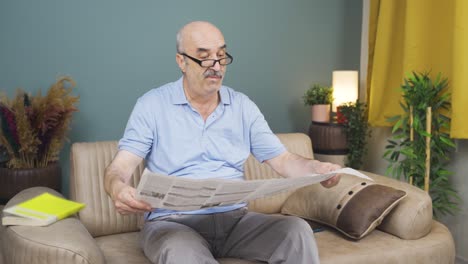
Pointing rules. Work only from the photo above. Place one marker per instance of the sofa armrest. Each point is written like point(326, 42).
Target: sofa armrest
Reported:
point(66, 241)
point(412, 217)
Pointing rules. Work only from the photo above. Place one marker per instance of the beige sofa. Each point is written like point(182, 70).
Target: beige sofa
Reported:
point(100, 235)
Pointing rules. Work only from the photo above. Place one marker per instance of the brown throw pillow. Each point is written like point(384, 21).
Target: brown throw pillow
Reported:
point(355, 206)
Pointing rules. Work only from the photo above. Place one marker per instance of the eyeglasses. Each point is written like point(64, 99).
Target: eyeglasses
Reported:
point(210, 62)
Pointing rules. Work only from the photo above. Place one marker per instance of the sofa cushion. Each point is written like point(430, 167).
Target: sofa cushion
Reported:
point(437, 247)
point(412, 218)
point(124, 248)
point(355, 206)
point(378, 247)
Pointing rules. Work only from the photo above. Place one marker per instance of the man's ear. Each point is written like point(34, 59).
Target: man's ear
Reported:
point(181, 62)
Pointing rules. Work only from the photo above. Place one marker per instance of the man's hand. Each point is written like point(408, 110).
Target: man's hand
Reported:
point(126, 203)
point(116, 178)
point(331, 182)
point(325, 167)
point(293, 165)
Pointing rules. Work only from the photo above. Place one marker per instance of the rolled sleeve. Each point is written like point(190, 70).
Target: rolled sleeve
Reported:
point(264, 145)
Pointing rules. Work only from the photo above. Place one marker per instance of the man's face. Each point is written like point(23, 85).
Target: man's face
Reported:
point(203, 43)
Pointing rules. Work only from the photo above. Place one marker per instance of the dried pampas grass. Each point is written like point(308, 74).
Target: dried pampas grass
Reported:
point(34, 128)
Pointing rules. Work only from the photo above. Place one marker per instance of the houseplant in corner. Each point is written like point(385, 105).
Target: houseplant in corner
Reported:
point(33, 130)
point(420, 146)
point(320, 98)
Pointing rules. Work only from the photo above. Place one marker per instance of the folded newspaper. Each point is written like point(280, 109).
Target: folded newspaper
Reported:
point(183, 194)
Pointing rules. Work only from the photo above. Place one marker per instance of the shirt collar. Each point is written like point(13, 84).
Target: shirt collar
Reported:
point(224, 94)
point(178, 97)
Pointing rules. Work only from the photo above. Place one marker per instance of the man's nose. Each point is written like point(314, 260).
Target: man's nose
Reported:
point(216, 66)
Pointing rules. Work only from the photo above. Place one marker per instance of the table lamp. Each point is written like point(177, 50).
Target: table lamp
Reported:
point(345, 89)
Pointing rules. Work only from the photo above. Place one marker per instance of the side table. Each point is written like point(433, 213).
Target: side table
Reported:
point(329, 142)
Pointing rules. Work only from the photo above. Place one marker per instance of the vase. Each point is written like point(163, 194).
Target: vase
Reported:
point(320, 113)
point(12, 181)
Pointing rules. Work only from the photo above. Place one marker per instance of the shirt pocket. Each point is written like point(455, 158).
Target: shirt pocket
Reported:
point(230, 148)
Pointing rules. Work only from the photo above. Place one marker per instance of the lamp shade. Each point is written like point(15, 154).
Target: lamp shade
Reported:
point(345, 87)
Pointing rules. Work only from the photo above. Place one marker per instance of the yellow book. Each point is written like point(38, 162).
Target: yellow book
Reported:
point(41, 210)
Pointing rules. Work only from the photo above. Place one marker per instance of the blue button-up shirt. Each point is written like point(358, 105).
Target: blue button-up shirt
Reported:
point(175, 140)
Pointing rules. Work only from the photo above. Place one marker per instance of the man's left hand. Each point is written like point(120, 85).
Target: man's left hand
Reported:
point(326, 167)
point(331, 182)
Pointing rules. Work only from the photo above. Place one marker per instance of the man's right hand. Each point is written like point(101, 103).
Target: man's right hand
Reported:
point(116, 178)
point(125, 201)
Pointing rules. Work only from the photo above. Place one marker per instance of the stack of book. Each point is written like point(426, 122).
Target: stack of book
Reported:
point(41, 210)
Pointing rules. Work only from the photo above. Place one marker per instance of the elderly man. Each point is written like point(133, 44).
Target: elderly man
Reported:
point(197, 128)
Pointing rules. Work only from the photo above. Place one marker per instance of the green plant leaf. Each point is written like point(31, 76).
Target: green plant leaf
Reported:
point(397, 125)
point(407, 158)
point(447, 141)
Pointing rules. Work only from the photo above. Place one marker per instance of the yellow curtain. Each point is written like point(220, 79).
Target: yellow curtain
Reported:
point(417, 35)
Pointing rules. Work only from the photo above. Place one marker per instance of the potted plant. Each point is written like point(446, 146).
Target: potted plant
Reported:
point(33, 130)
point(420, 146)
point(353, 116)
point(320, 98)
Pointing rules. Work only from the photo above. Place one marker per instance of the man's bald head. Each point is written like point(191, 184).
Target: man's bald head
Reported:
point(199, 42)
point(193, 31)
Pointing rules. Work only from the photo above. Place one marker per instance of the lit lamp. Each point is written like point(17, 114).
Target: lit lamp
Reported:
point(329, 139)
point(345, 89)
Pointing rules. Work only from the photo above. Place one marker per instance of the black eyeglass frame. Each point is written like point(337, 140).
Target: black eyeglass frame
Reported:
point(199, 62)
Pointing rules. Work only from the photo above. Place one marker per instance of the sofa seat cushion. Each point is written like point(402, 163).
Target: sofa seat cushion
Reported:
point(377, 247)
point(383, 248)
point(124, 248)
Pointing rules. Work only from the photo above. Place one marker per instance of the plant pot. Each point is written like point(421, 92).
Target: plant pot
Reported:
point(328, 139)
point(12, 181)
point(320, 113)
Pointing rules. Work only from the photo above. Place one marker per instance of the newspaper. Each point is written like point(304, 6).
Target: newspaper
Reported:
point(183, 194)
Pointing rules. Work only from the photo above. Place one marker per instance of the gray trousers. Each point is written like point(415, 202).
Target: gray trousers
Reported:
point(200, 239)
